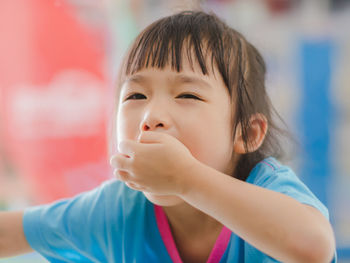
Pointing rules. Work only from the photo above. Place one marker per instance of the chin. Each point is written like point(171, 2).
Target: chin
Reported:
point(163, 200)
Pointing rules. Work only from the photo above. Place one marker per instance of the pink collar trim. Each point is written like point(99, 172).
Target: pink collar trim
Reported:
point(165, 232)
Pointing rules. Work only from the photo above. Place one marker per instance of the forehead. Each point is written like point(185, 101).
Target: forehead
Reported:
point(170, 77)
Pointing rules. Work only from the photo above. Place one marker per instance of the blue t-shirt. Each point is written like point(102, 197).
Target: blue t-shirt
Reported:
point(114, 223)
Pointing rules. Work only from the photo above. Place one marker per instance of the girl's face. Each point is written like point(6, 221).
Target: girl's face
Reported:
point(194, 108)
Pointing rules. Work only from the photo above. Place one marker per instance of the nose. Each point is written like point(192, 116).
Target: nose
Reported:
point(155, 117)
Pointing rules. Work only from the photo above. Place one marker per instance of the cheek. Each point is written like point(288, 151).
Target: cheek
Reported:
point(210, 142)
point(212, 150)
point(127, 125)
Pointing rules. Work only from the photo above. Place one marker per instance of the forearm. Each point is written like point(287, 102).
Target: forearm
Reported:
point(12, 239)
point(272, 222)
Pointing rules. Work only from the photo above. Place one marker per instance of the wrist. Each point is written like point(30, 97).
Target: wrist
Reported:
point(190, 177)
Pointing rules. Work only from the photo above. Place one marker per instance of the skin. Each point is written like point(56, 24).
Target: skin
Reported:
point(12, 239)
point(178, 150)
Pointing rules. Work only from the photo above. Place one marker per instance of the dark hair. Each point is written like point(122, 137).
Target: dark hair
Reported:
point(242, 68)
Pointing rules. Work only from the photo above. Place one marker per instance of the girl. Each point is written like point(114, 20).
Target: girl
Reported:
point(197, 180)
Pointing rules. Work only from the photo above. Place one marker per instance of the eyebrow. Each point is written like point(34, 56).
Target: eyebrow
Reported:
point(184, 79)
point(179, 78)
point(136, 79)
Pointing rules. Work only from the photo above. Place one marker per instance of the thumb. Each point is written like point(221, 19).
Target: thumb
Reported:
point(150, 137)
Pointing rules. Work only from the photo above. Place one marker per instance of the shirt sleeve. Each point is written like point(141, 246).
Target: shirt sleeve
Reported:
point(271, 175)
point(69, 230)
point(282, 179)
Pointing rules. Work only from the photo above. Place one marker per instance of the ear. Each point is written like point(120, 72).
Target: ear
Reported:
point(256, 134)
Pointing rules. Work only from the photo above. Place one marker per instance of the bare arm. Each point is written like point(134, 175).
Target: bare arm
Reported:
point(12, 239)
point(275, 223)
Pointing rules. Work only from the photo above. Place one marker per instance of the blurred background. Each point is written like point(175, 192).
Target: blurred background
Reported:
point(58, 67)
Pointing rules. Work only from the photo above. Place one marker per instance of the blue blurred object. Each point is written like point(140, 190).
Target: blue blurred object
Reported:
point(343, 253)
point(316, 115)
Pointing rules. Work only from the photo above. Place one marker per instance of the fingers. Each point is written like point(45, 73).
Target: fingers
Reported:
point(126, 178)
point(134, 186)
point(123, 164)
point(127, 147)
point(120, 161)
point(151, 137)
point(131, 148)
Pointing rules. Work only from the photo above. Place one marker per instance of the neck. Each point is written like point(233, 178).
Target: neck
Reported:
point(190, 221)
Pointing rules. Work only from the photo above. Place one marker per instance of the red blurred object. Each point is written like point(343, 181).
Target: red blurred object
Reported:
point(280, 6)
point(53, 98)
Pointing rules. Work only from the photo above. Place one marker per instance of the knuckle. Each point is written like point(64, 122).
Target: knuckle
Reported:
point(121, 145)
point(115, 161)
point(112, 161)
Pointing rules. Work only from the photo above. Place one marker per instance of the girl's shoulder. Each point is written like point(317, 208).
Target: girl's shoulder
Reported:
point(270, 168)
point(118, 189)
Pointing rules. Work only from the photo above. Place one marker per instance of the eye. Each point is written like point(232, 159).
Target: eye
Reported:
point(136, 96)
point(188, 96)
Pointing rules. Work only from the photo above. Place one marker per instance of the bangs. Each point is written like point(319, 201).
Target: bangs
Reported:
point(187, 35)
